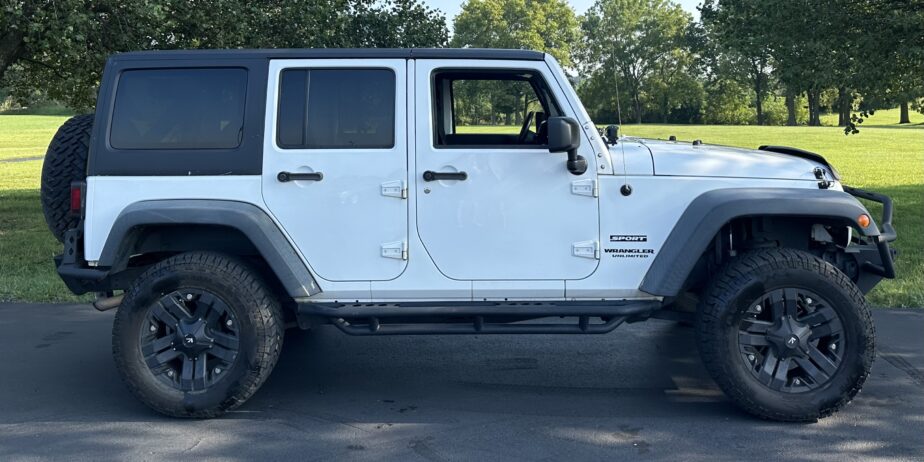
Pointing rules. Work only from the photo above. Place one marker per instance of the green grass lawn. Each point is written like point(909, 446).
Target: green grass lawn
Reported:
point(884, 157)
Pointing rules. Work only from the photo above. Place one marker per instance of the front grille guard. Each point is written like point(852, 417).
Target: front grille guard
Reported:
point(886, 233)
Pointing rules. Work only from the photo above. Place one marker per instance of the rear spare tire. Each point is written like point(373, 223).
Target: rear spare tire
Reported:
point(65, 162)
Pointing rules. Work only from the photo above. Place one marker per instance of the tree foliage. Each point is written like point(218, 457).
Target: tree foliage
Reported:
point(59, 47)
point(635, 41)
point(744, 61)
point(868, 49)
point(550, 26)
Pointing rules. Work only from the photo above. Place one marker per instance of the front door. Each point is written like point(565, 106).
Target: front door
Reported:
point(492, 202)
point(335, 163)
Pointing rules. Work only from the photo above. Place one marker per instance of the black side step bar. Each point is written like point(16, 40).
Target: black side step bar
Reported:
point(419, 319)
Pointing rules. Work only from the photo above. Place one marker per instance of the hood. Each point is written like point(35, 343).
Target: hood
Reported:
point(681, 158)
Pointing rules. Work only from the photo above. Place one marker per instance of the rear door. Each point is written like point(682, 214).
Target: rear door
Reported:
point(335, 163)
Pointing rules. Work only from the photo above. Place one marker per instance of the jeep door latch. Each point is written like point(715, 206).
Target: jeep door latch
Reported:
point(285, 177)
point(430, 175)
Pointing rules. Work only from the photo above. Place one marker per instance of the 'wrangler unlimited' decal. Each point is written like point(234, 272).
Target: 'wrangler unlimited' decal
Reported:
point(629, 253)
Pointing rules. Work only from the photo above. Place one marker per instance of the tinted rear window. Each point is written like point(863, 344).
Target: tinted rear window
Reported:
point(336, 109)
point(179, 109)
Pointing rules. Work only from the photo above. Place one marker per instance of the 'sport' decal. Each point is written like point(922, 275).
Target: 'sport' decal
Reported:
point(628, 238)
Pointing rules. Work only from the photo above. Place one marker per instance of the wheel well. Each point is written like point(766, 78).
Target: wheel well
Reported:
point(823, 237)
point(146, 245)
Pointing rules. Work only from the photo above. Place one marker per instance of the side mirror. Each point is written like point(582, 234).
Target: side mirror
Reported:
point(565, 136)
point(612, 133)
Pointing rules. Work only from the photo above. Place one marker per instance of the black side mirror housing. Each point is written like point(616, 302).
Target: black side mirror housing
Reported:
point(565, 136)
point(612, 133)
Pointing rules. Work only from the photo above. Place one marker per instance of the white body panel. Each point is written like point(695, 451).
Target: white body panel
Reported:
point(342, 222)
point(503, 222)
point(108, 196)
point(655, 205)
point(506, 233)
point(678, 158)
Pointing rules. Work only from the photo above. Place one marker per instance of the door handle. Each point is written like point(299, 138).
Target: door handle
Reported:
point(285, 177)
point(430, 175)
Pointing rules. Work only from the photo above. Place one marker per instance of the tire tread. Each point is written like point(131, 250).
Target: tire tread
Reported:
point(732, 279)
point(265, 315)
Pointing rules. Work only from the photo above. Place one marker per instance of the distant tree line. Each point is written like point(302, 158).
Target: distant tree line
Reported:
point(766, 62)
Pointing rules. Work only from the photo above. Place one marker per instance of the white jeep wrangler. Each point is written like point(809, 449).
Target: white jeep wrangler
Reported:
point(216, 197)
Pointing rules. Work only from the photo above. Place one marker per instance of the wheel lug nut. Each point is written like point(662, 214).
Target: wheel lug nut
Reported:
point(170, 373)
point(797, 382)
point(153, 328)
point(218, 370)
point(758, 308)
point(189, 296)
point(229, 323)
point(751, 358)
point(833, 346)
point(808, 301)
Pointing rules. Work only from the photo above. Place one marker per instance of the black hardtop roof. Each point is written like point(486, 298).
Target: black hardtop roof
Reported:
point(334, 53)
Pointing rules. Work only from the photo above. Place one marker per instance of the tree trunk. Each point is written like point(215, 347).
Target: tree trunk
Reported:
point(638, 106)
point(758, 91)
point(903, 113)
point(813, 100)
point(790, 109)
point(844, 104)
point(664, 108)
point(12, 48)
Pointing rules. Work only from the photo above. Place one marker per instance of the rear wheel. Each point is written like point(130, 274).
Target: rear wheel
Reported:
point(786, 335)
point(196, 335)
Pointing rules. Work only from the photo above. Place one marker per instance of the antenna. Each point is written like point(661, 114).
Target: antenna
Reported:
point(618, 107)
point(626, 189)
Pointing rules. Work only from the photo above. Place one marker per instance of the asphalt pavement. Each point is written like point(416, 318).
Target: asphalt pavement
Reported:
point(638, 393)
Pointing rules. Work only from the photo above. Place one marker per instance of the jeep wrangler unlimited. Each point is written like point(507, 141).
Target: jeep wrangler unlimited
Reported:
point(217, 197)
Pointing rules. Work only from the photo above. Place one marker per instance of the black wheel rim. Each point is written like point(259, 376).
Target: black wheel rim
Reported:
point(791, 340)
point(189, 339)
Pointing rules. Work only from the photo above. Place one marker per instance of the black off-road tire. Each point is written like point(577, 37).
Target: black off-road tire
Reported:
point(258, 323)
point(729, 298)
point(65, 162)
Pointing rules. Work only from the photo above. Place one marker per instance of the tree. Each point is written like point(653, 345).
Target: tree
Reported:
point(59, 47)
point(627, 39)
point(888, 44)
point(550, 26)
point(741, 28)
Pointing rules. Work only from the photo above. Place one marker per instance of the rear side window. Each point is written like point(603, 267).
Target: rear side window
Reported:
point(179, 109)
point(336, 109)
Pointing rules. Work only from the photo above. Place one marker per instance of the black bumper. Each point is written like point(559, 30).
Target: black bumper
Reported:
point(74, 271)
point(886, 265)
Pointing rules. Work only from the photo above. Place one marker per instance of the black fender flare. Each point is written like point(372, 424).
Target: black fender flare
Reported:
point(250, 220)
point(710, 211)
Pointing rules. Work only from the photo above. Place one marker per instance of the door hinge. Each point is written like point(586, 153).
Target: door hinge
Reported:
point(585, 188)
point(396, 250)
point(586, 249)
point(395, 188)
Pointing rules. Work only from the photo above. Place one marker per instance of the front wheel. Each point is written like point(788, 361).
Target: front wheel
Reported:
point(197, 334)
point(785, 335)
